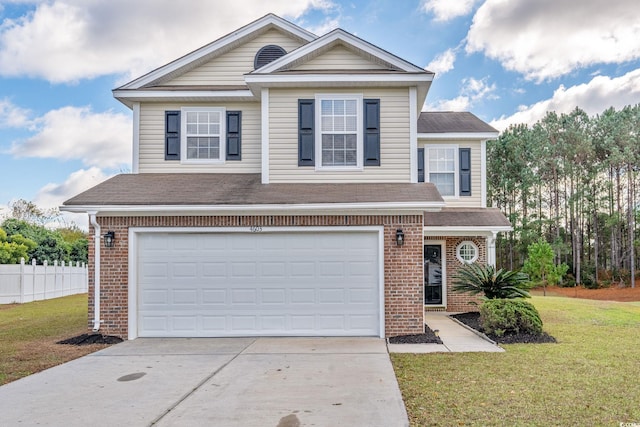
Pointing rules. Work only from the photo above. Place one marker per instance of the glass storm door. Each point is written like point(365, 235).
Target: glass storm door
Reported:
point(433, 274)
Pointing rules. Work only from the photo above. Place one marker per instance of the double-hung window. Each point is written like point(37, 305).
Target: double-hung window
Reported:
point(340, 131)
point(203, 134)
point(441, 168)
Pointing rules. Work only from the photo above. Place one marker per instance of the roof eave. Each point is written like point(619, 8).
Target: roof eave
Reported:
point(283, 209)
point(129, 96)
point(459, 135)
point(449, 230)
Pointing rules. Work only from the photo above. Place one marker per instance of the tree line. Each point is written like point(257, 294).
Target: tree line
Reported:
point(571, 180)
point(24, 234)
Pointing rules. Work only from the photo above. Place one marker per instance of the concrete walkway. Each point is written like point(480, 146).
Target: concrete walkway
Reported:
point(285, 382)
point(454, 336)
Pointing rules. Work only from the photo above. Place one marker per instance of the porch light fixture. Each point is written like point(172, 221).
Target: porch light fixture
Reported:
point(109, 239)
point(399, 237)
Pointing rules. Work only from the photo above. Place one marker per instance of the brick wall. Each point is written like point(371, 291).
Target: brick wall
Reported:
point(403, 275)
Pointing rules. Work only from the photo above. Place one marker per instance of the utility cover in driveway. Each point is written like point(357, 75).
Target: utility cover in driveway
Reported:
point(250, 284)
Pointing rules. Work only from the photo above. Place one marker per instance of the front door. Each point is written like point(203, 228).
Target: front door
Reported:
point(433, 274)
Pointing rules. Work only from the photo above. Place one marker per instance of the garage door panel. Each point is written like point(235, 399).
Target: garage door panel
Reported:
point(230, 284)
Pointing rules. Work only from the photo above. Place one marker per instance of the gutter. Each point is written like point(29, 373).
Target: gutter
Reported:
point(96, 271)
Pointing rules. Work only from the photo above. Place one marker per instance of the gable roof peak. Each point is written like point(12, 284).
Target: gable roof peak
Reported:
point(347, 39)
point(205, 53)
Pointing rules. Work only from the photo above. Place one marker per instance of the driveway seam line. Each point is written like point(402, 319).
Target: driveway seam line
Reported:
point(200, 384)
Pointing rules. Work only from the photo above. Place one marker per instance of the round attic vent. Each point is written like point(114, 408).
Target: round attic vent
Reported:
point(268, 54)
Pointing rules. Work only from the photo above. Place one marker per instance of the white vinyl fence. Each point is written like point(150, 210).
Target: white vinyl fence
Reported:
point(20, 283)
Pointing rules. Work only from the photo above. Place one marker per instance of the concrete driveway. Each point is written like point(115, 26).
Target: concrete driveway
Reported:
point(275, 382)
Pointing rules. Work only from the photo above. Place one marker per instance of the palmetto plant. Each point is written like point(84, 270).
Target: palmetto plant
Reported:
point(476, 279)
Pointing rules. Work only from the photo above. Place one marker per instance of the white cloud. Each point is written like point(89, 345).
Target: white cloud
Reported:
point(12, 116)
point(70, 40)
point(325, 26)
point(53, 195)
point(593, 97)
point(442, 63)
point(98, 139)
point(544, 39)
point(473, 91)
point(446, 10)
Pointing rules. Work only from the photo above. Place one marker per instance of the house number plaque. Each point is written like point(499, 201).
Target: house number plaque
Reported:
point(255, 228)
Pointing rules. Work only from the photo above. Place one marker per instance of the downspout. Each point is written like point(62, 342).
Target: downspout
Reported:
point(96, 271)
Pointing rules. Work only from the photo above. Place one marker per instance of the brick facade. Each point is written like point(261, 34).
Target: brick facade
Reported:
point(403, 275)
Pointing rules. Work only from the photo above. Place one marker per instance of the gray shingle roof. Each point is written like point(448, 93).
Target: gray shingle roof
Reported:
point(466, 217)
point(212, 189)
point(447, 121)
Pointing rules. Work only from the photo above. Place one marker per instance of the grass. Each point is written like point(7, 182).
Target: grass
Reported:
point(590, 377)
point(29, 332)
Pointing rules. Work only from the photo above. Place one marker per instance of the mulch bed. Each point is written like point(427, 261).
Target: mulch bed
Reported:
point(87, 339)
point(428, 337)
point(472, 320)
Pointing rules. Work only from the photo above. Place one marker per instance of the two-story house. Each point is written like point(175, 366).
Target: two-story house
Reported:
point(287, 184)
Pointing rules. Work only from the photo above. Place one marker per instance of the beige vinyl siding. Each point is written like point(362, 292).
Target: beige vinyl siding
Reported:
point(394, 138)
point(475, 200)
point(152, 140)
point(339, 58)
point(229, 68)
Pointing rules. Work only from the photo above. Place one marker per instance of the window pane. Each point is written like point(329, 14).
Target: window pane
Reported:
point(203, 148)
point(338, 124)
point(351, 142)
point(192, 117)
point(338, 107)
point(327, 142)
point(192, 128)
point(352, 157)
point(351, 124)
point(327, 124)
point(338, 142)
point(351, 107)
point(444, 182)
point(327, 157)
point(326, 107)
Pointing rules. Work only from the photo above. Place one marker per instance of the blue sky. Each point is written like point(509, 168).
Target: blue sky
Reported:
point(507, 61)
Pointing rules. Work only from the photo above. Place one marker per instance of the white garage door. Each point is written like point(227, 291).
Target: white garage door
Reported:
point(234, 284)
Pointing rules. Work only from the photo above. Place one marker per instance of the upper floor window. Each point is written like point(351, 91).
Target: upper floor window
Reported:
point(202, 134)
point(340, 131)
point(448, 167)
point(441, 166)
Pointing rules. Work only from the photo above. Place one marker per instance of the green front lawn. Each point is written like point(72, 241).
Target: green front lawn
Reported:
point(29, 332)
point(591, 377)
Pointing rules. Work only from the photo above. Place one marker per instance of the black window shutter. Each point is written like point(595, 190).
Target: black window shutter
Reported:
point(172, 135)
point(234, 135)
point(306, 133)
point(465, 171)
point(371, 132)
point(420, 164)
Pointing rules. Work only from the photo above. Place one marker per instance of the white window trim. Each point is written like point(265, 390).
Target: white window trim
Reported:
point(183, 135)
point(359, 131)
point(456, 171)
point(475, 247)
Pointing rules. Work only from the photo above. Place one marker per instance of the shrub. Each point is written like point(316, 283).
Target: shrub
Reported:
point(477, 278)
point(508, 316)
